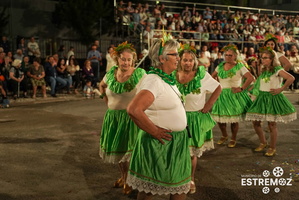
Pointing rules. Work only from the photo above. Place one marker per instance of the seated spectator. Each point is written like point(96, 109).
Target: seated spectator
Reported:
point(6, 65)
point(207, 14)
point(243, 53)
point(73, 68)
point(89, 91)
point(186, 12)
point(87, 73)
point(10, 56)
point(130, 10)
point(52, 79)
point(205, 35)
point(25, 64)
point(188, 34)
point(215, 15)
point(63, 73)
point(23, 46)
point(16, 78)
point(197, 17)
point(19, 54)
point(4, 102)
point(36, 73)
point(143, 17)
point(2, 56)
point(218, 60)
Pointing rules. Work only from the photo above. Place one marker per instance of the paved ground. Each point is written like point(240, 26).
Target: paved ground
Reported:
point(49, 151)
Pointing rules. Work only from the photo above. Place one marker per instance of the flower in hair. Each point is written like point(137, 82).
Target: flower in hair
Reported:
point(266, 49)
point(165, 37)
point(122, 46)
point(186, 47)
point(270, 36)
point(252, 59)
point(230, 47)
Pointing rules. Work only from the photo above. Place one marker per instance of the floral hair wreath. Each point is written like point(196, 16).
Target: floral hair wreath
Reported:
point(266, 49)
point(166, 37)
point(186, 47)
point(270, 36)
point(230, 47)
point(122, 46)
point(252, 59)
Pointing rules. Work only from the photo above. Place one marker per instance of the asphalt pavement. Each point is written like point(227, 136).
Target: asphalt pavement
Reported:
point(49, 151)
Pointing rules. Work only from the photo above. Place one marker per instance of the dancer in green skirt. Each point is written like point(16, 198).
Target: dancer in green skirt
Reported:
point(119, 132)
point(194, 82)
point(270, 105)
point(233, 101)
point(160, 162)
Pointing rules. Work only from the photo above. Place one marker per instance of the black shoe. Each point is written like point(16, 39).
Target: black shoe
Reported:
point(15, 97)
point(53, 95)
point(25, 96)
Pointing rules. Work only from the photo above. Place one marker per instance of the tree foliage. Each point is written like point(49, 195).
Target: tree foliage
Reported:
point(4, 19)
point(84, 17)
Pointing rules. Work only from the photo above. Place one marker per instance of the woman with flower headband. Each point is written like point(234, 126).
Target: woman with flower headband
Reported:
point(271, 41)
point(160, 163)
point(270, 105)
point(119, 132)
point(194, 82)
point(233, 101)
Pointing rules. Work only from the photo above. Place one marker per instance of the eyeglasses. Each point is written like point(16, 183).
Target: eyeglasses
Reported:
point(173, 54)
point(263, 58)
point(228, 55)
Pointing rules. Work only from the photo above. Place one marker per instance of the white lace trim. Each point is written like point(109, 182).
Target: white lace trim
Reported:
point(198, 151)
point(126, 157)
point(228, 119)
point(271, 118)
point(149, 187)
point(115, 158)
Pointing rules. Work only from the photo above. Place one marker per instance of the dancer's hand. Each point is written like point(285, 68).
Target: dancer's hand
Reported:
point(275, 91)
point(237, 89)
point(161, 134)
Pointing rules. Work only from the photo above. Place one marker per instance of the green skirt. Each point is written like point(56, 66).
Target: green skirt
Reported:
point(271, 108)
point(231, 107)
point(118, 136)
point(200, 126)
point(161, 169)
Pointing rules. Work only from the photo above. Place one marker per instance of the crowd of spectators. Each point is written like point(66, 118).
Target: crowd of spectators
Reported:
point(215, 27)
point(209, 30)
point(27, 71)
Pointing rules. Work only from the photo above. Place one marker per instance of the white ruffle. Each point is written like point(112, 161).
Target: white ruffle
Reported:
point(271, 118)
point(115, 158)
point(149, 187)
point(228, 119)
point(198, 151)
